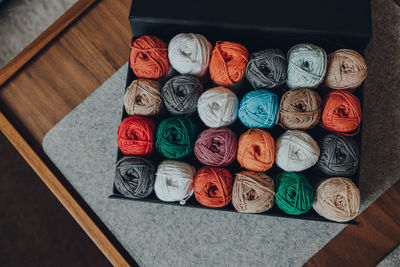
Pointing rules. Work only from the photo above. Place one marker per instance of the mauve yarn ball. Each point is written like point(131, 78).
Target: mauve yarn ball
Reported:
point(134, 177)
point(181, 94)
point(339, 156)
point(216, 147)
point(267, 69)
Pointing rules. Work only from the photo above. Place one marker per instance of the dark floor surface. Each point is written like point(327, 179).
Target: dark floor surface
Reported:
point(35, 229)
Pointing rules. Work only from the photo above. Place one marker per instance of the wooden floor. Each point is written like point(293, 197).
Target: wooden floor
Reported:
point(78, 61)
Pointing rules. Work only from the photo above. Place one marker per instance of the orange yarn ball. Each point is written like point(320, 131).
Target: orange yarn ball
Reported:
point(228, 62)
point(213, 187)
point(256, 150)
point(149, 57)
point(342, 113)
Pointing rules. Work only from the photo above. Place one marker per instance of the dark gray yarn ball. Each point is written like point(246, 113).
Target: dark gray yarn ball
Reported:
point(267, 69)
point(134, 177)
point(339, 156)
point(181, 93)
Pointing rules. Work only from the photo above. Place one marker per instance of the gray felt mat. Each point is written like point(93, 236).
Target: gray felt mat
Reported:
point(83, 146)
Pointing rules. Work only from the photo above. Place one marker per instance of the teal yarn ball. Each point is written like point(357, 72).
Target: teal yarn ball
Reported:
point(294, 193)
point(307, 65)
point(259, 109)
point(175, 137)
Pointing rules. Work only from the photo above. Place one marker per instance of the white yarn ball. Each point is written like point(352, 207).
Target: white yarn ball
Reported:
point(218, 107)
point(174, 181)
point(296, 151)
point(189, 53)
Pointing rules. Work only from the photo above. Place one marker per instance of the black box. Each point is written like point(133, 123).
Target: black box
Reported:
point(257, 25)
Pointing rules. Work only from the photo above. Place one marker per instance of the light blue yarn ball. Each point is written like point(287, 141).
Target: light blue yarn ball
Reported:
point(259, 109)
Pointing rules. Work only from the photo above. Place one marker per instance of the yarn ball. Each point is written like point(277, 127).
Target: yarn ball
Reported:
point(306, 66)
point(296, 151)
point(340, 156)
point(259, 109)
point(342, 113)
point(149, 57)
point(300, 109)
point(175, 137)
point(213, 187)
point(266, 69)
point(253, 192)
point(136, 135)
point(228, 62)
point(174, 181)
point(337, 199)
point(134, 177)
point(216, 147)
point(218, 107)
point(256, 150)
point(294, 193)
point(143, 98)
point(189, 53)
point(347, 69)
point(181, 94)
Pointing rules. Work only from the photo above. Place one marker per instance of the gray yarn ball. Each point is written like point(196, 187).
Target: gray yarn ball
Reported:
point(267, 69)
point(181, 93)
point(134, 177)
point(339, 156)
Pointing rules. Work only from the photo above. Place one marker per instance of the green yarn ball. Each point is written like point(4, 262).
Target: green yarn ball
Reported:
point(294, 193)
point(175, 137)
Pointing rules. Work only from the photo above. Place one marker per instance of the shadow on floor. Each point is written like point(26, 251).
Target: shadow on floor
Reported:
point(35, 229)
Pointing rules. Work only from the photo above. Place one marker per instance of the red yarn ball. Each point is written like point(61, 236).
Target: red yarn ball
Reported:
point(136, 135)
point(213, 186)
point(149, 57)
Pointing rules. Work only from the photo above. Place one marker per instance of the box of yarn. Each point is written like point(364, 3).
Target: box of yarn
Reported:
point(242, 119)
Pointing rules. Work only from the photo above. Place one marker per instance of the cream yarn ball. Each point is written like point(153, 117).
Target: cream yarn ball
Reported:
point(190, 53)
point(174, 181)
point(218, 107)
point(296, 151)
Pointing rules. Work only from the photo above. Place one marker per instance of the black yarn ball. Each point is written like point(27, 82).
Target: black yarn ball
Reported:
point(134, 177)
point(339, 156)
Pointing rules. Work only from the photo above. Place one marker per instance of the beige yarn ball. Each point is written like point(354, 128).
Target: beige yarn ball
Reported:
point(337, 199)
point(143, 98)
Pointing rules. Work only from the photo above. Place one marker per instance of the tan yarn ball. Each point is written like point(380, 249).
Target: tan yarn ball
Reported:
point(347, 69)
point(337, 199)
point(143, 98)
point(300, 109)
point(253, 192)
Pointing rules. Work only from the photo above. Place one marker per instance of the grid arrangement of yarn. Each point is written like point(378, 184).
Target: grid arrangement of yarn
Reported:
point(251, 130)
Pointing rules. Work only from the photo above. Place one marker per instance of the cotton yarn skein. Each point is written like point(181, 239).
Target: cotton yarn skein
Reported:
point(256, 150)
point(337, 199)
point(294, 193)
point(228, 62)
point(189, 53)
point(136, 135)
point(134, 177)
point(213, 187)
point(259, 109)
point(218, 107)
point(296, 151)
point(216, 147)
point(149, 57)
point(300, 109)
point(342, 113)
point(181, 93)
point(174, 181)
point(340, 156)
point(175, 137)
point(267, 69)
point(347, 69)
point(143, 98)
point(253, 192)
point(306, 66)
